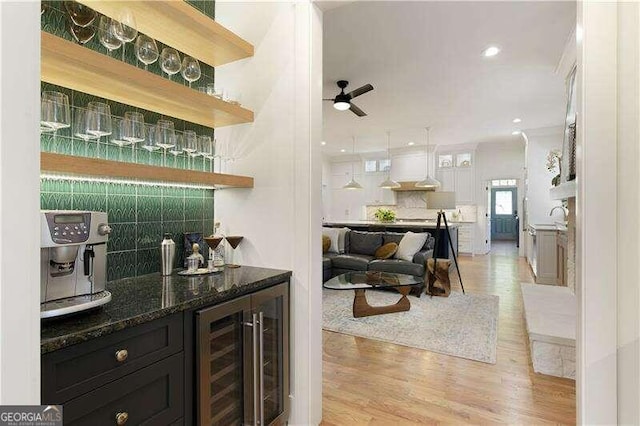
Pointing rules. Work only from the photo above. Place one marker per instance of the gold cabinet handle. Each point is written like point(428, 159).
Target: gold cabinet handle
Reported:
point(121, 418)
point(121, 356)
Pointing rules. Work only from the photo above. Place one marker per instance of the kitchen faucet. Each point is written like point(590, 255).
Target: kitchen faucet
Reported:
point(565, 211)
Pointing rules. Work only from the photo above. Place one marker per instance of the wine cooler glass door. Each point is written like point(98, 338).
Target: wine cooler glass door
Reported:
point(222, 371)
point(273, 353)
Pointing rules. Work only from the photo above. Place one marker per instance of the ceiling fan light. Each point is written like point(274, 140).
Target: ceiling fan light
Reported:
point(428, 182)
point(389, 184)
point(352, 185)
point(341, 105)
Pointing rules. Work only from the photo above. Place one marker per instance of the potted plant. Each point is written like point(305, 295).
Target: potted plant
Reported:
point(385, 215)
point(554, 157)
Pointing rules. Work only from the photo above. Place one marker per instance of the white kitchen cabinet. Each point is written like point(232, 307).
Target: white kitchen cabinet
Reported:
point(458, 175)
point(447, 178)
point(466, 238)
point(542, 255)
point(465, 185)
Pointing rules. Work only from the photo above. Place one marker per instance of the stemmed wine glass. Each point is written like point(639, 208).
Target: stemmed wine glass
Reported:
point(177, 149)
point(146, 50)
point(166, 136)
point(170, 61)
point(80, 15)
point(107, 35)
point(149, 143)
point(205, 148)
point(99, 121)
point(125, 28)
point(133, 129)
point(190, 144)
point(55, 113)
point(80, 19)
point(190, 69)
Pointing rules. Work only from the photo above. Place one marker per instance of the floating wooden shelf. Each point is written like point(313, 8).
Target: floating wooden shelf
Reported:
point(69, 65)
point(410, 186)
point(83, 166)
point(182, 27)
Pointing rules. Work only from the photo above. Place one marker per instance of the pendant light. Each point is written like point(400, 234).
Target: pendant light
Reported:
point(389, 183)
point(429, 181)
point(352, 184)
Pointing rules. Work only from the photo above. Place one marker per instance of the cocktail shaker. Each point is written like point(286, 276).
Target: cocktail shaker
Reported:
point(168, 254)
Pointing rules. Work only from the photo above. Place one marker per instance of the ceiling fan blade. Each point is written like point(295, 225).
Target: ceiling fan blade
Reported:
point(360, 90)
point(329, 100)
point(357, 111)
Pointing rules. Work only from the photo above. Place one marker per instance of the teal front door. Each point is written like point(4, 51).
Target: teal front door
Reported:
point(504, 214)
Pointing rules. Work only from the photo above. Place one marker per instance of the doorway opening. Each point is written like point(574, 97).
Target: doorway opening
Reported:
point(504, 219)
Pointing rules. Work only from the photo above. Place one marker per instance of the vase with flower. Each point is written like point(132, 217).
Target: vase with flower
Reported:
point(554, 158)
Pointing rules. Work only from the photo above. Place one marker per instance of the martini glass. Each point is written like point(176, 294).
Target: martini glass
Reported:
point(233, 241)
point(213, 242)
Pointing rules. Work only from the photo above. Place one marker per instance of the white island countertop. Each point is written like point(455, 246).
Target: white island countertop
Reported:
point(397, 224)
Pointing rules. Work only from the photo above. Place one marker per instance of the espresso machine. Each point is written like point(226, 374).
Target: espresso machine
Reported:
point(73, 261)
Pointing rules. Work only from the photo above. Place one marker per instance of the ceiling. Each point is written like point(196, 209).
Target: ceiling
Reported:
point(425, 62)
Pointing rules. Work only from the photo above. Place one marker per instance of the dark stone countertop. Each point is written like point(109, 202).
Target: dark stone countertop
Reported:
point(145, 298)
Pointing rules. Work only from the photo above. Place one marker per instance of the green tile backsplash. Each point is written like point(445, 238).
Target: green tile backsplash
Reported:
point(139, 216)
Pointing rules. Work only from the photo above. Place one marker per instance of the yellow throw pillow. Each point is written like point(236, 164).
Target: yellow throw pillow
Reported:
point(386, 251)
point(326, 243)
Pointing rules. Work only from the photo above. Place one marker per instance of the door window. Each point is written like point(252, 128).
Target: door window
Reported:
point(503, 203)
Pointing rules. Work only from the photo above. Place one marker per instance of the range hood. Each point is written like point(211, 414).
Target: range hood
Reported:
point(411, 186)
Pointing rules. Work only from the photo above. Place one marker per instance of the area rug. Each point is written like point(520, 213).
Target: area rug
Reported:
point(464, 326)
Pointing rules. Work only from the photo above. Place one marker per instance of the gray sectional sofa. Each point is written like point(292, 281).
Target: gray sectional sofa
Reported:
point(358, 255)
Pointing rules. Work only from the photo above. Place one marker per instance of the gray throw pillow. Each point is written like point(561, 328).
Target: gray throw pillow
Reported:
point(364, 242)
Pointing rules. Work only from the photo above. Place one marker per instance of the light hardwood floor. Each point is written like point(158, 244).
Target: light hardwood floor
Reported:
point(377, 383)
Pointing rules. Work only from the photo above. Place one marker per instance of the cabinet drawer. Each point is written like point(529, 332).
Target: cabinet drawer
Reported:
point(465, 248)
point(76, 370)
point(150, 396)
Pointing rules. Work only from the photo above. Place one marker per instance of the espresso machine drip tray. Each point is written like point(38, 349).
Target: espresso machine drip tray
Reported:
point(69, 305)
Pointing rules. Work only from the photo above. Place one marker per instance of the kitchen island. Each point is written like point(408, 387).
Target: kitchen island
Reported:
point(149, 353)
point(442, 251)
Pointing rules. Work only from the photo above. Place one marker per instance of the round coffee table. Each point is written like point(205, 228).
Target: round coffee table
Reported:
point(361, 281)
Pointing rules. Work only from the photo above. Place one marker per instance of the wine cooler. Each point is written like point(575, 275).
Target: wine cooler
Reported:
point(243, 360)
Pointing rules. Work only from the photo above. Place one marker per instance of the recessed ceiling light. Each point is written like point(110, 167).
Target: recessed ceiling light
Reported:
point(516, 120)
point(411, 143)
point(343, 150)
point(323, 143)
point(491, 51)
point(516, 132)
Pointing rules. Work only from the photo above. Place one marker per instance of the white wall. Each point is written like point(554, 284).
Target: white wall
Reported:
point(628, 196)
point(539, 202)
point(19, 203)
point(497, 160)
point(281, 216)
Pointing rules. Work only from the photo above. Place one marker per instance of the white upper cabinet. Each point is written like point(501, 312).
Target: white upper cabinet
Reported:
point(456, 172)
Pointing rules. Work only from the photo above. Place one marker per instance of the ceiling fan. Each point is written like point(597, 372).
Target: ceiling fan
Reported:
point(342, 102)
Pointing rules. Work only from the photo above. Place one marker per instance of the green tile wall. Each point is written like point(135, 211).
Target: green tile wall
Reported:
point(139, 214)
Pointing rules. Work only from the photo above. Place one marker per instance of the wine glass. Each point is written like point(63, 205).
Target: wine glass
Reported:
point(177, 149)
point(125, 28)
point(81, 15)
point(170, 61)
point(82, 35)
point(146, 50)
point(107, 36)
point(190, 69)
point(55, 113)
point(166, 136)
point(205, 148)
point(81, 126)
point(99, 121)
point(133, 129)
point(150, 141)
